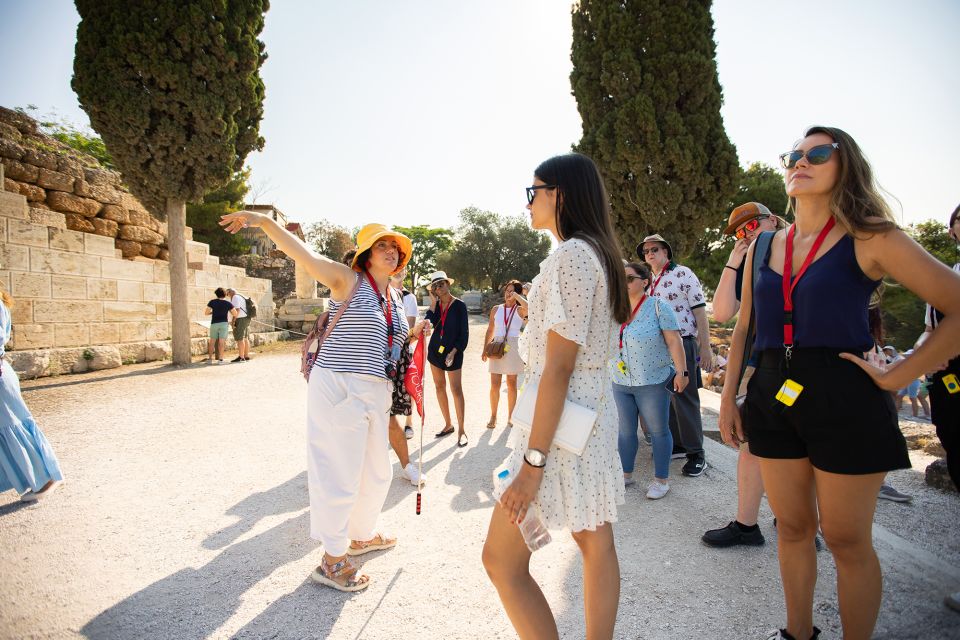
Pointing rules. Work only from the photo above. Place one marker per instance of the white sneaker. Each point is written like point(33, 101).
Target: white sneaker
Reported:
point(410, 473)
point(657, 490)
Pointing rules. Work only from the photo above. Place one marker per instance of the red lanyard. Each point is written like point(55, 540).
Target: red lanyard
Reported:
point(630, 319)
point(653, 287)
point(387, 313)
point(443, 315)
point(790, 283)
point(506, 320)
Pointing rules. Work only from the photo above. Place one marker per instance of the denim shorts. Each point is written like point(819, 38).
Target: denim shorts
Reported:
point(219, 331)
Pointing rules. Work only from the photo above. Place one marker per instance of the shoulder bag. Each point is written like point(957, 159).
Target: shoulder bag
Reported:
point(322, 328)
point(760, 247)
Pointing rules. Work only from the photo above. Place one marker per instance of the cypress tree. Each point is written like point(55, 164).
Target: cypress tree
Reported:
point(173, 88)
point(645, 79)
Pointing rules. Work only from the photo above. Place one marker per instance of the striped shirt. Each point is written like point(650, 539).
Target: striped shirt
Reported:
point(358, 344)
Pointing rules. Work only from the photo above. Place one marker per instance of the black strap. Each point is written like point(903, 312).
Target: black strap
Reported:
point(760, 247)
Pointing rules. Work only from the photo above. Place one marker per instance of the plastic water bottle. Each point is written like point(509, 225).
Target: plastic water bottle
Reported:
point(534, 533)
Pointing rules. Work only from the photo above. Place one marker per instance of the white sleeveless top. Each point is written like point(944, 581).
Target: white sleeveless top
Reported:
point(516, 322)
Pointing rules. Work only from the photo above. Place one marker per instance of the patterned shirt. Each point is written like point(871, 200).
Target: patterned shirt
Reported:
point(681, 289)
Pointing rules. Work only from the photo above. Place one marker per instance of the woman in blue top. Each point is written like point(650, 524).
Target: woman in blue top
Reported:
point(818, 416)
point(643, 378)
point(27, 462)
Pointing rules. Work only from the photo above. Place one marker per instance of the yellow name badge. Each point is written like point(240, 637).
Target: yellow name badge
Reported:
point(440, 349)
point(789, 392)
point(951, 383)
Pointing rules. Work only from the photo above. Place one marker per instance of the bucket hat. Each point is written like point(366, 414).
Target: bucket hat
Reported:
point(370, 233)
point(654, 238)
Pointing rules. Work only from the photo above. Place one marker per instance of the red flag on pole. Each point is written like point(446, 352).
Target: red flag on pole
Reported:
point(413, 379)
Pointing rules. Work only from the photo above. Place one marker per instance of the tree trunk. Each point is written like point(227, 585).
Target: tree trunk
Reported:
point(179, 309)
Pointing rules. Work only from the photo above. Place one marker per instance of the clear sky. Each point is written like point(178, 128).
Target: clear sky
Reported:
point(406, 113)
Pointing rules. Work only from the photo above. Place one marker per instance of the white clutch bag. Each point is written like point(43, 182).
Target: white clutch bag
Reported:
point(576, 422)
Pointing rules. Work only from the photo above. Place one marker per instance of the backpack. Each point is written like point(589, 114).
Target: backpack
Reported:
point(251, 308)
point(322, 328)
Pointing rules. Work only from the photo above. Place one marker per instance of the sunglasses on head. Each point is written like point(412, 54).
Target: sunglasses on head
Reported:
point(532, 191)
point(815, 155)
point(749, 225)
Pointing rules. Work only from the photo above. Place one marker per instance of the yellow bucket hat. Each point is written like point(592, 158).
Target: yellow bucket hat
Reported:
point(370, 233)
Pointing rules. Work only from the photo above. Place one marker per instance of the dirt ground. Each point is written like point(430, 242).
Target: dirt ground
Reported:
point(184, 515)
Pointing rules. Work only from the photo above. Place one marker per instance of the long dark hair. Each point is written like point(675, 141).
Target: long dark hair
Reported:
point(583, 211)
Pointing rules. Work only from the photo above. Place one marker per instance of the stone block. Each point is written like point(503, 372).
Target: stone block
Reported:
point(40, 158)
point(129, 291)
point(163, 311)
point(69, 287)
point(14, 257)
point(133, 331)
point(157, 350)
point(32, 336)
point(77, 222)
point(158, 330)
point(206, 280)
point(5, 279)
point(234, 273)
point(65, 240)
point(139, 234)
point(70, 167)
point(155, 292)
point(71, 335)
point(64, 262)
point(55, 180)
point(161, 272)
point(104, 333)
point(128, 248)
point(103, 177)
point(46, 217)
point(149, 250)
point(30, 364)
point(98, 289)
point(22, 311)
point(69, 203)
point(13, 205)
point(164, 254)
point(31, 192)
point(127, 269)
point(103, 227)
point(30, 285)
point(24, 232)
point(99, 245)
point(8, 145)
point(73, 312)
point(115, 213)
point(139, 217)
point(19, 171)
point(128, 311)
point(131, 353)
point(105, 357)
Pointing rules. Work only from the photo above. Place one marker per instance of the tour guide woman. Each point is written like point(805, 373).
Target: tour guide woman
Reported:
point(349, 394)
point(445, 351)
point(575, 307)
point(818, 416)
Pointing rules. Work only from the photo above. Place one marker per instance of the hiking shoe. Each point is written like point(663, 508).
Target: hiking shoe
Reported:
point(657, 490)
point(410, 473)
point(237, 359)
point(889, 493)
point(695, 466)
point(408, 432)
point(781, 634)
point(732, 535)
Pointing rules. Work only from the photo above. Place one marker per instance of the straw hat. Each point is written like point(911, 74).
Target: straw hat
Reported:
point(436, 277)
point(370, 233)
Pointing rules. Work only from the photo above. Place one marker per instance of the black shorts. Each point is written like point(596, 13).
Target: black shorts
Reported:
point(841, 421)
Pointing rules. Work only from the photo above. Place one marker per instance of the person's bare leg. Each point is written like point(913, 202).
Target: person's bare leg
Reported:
point(507, 561)
point(790, 490)
point(221, 348)
point(456, 390)
point(440, 385)
point(915, 407)
point(601, 580)
point(495, 379)
point(749, 487)
point(847, 504)
point(210, 344)
point(398, 442)
point(511, 396)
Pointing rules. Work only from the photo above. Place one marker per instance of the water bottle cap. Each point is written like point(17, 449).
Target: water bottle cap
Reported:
point(503, 474)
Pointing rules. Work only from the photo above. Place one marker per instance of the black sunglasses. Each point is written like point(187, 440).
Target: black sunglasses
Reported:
point(815, 155)
point(632, 278)
point(532, 191)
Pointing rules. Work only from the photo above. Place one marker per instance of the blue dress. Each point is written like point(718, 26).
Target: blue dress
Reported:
point(27, 461)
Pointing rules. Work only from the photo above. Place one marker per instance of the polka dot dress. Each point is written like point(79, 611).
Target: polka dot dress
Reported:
point(569, 297)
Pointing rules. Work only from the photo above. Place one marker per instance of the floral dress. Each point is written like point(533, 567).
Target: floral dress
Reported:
point(570, 297)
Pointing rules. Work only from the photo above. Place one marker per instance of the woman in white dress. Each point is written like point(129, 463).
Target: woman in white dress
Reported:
point(506, 322)
point(575, 306)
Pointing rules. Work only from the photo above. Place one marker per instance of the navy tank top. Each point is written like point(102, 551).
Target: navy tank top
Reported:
point(829, 303)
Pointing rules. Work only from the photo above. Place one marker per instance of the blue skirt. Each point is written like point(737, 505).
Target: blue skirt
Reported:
point(27, 461)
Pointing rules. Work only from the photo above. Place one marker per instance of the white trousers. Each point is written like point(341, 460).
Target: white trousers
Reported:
point(348, 465)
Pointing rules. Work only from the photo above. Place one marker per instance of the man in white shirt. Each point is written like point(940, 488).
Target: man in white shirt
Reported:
point(240, 325)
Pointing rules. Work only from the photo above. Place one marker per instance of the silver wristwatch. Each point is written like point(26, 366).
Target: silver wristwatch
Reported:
point(535, 458)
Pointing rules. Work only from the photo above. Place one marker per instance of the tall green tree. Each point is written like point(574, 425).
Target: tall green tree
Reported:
point(427, 244)
point(490, 249)
point(204, 217)
point(329, 239)
point(173, 87)
point(645, 79)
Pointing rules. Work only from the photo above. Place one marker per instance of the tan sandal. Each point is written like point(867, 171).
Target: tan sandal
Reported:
point(342, 576)
point(492, 424)
point(376, 543)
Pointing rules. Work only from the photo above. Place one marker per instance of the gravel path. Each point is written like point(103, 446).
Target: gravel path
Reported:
point(184, 515)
